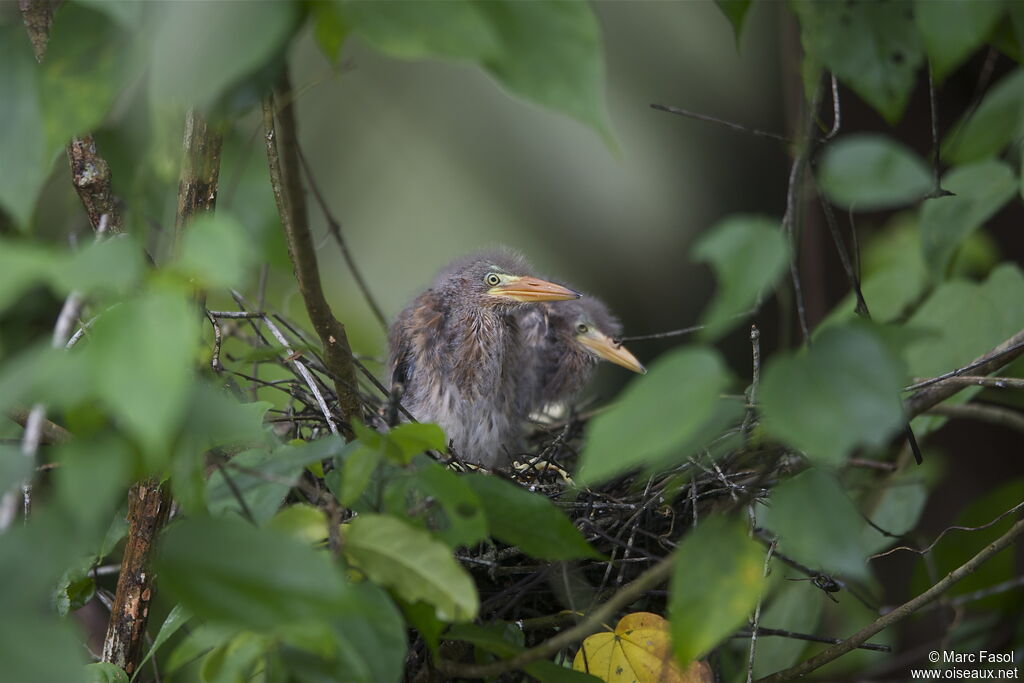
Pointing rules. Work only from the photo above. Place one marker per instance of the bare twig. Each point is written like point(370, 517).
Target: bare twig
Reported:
point(282, 157)
point(900, 613)
point(761, 632)
point(720, 122)
point(218, 339)
point(976, 380)
point(334, 227)
point(836, 112)
point(755, 626)
point(49, 432)
point(937, 190)
point(945, 531)
point(997, 415)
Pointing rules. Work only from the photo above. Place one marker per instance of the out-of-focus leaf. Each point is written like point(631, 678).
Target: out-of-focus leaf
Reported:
point(216, 251)
point(87, 64)
point(441, 502)
point(217, 418)
point(75, 588)
point(406, 441)
point(22, 264)
point(505, 640)
point(176, 618)
point(104, 672)
point(736, 12)
point(897, 511)
point(551, 54)
point(748, 253)
point(528, 520)
point(202, 639)
point(227, 41)
point(422, 617)
point(412, 564)
point(657, 415)
point(639, 650)
point(371, 636)
point(842, 393)
point(997, 121)
point(790, 610)
point(870, 172)
point(22, 136)
point(817, 524)
point(236, 659)
point(716, 582)
point(114, 265)
point(421, 29)
point(230, 571)
point(951, 31)
point(142, 353)
point(302, 521)
point(14, 467)
point(356, 471)
point(263, 495)
point(94, 473)
point(873, 47)
point(128, 14)
point(981, 189)
point(38, 649)
point(329, 28)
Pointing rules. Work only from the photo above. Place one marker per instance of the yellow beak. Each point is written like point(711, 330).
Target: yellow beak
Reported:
point(606, 348)
point(526, 288)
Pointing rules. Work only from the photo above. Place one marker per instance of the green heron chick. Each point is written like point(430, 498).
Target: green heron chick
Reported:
point(567, 341)
point(457, 355)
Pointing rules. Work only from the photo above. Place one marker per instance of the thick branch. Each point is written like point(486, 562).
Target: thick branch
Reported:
point(38, 16)
point(148, 505)
point(90, 175)
point(900, 613)
point(283, 159)
point(200, 170)
point(49, 432)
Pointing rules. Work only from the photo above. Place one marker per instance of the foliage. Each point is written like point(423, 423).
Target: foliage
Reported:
point(293, 555)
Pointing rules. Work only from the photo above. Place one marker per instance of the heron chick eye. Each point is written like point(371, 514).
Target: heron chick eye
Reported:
point(581, 328)
point(492, 279)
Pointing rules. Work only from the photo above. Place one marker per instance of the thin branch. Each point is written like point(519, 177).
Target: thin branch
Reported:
point(937, 190)
point(334, 227)
point(593, 623)
point(945, 531)
point(836, 112)
point(997, 415)
point(662, 335)
point(934, 391)
point(900, 613)
point(755, 626)
point(236, 315)
point(50, 433)
point(218, 340)
point(728, 124)
point(976, 380)
point(761, 632)
point(282, 158)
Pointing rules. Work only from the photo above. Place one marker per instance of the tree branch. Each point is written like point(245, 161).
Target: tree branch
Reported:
point(283, 160)
point(997, 415)
point(900, 613)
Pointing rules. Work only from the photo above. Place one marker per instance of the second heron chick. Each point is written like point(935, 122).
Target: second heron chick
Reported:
point(567, 340)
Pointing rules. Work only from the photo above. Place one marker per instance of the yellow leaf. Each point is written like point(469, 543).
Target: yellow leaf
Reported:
point(638, 651)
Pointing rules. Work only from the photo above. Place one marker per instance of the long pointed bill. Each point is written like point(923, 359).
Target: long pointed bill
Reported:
point(607, 349)
point(528, 289)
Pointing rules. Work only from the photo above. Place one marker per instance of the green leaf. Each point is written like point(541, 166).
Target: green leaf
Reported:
point(871, 46)
point(998, 120)
point(142, 353)
point(236, 659)
point(716, 582)
point(356, 471)
point(128, 14)
point(406, 441)
point(439, 501)
point(951, 31)
point(371, 636)
point(217, 252)
point(22, 137)
point(748, 254)
point(38, 649)
point(302, 521)
point(412, 564)
point(204, 638)
point(817, 524)
point(658, 415)
point(736, 12)
point(789, 610)
point(111, 266)
point(528, 520)
point(422, 29)
point(551, 55)
point(329, 28)
point(15, 468)
point(871, 172)
point(263, 495)
point(230, 571)
point(897, 511)
point(104, 672)
point(176, 618)
point(22, 264)
point(506, 640)
point(227, 42)
point(88, 63)
point(981, 189)
point(842, 393)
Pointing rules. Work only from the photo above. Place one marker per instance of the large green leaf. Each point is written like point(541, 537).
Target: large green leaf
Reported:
point(736, 12)
point(412, 564)
point(441, 502)
point(23, 147)
point(980, 190)
point(842, 393)
point(230, 571)
point(371, 637)
point(869, 172)
point(421, 29)
point(104, 672)
point(789, 610)
point(216, 252)
point(818, 524)
point(997, 121)
point(528, 520)
point(142, 353)
point(953, 30)
point(716, 582)
point(748, 254)
point(227, 41)
point(659, 414)
point(873, 47)
point(897, 512)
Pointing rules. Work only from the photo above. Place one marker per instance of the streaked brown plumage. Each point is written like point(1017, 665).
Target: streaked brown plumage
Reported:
point(567, 339)
point(458, 356)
